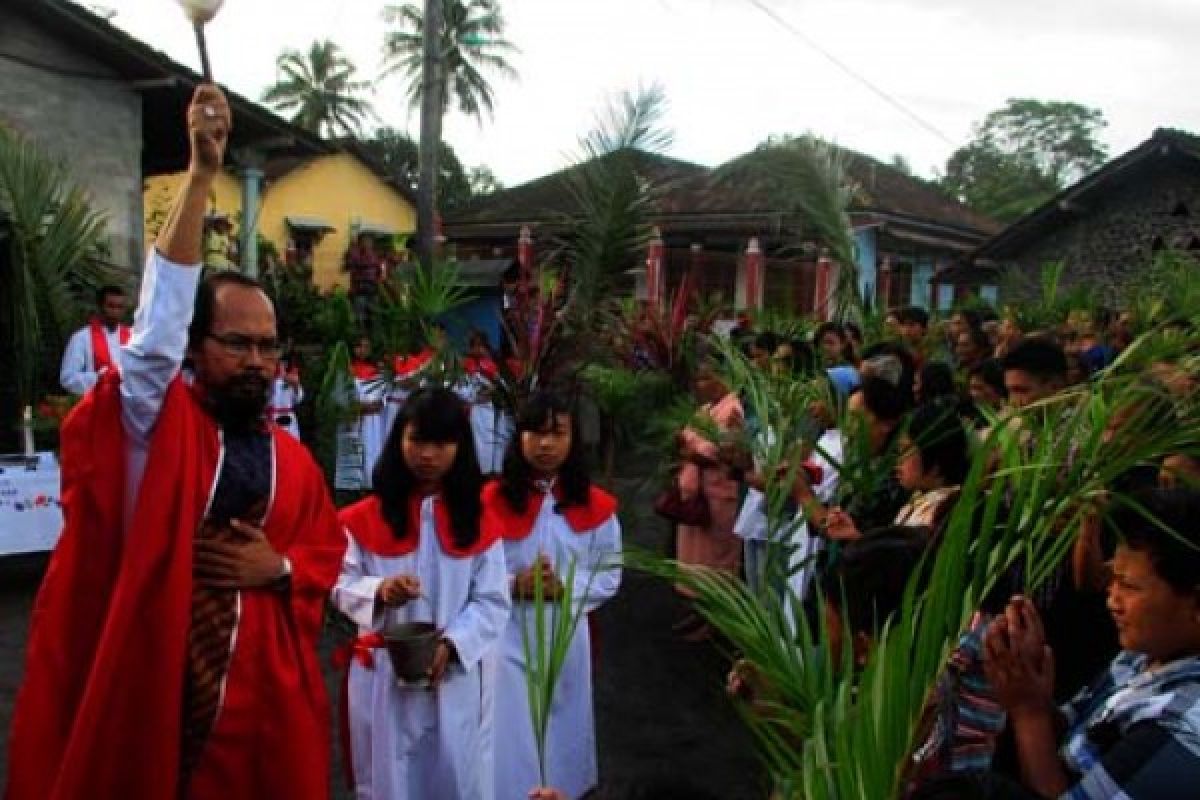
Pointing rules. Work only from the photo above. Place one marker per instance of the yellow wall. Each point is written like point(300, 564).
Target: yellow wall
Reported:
point(159, 192)
point(342, 191)
point(337, 188)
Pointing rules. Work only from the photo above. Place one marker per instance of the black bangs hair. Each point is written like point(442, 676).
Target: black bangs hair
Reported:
point(1162, 524)
point(435, 415)
point(867, 582)
point(941, 440)
point(516, 480)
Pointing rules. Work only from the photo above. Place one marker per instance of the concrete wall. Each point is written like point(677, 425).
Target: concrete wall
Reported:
point(1113, 238)
point(79, 112)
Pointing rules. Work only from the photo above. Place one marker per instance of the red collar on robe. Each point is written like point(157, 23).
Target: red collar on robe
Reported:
point(404, 366)
point(364, 520)
point(101, 358)
point(515, 526)
point(477, 366)
point(364, 370)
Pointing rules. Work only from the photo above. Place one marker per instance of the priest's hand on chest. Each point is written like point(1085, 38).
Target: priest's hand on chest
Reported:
point(245, 562)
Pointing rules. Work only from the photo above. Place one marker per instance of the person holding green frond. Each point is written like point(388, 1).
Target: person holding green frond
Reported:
point(562, 544)
point(1135, 731)
point(703, 473)
point(933, 462)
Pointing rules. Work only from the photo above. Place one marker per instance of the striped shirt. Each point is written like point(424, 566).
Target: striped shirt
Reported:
point(1135, 732)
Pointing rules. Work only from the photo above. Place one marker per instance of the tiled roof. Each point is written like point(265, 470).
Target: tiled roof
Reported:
point(693, 189)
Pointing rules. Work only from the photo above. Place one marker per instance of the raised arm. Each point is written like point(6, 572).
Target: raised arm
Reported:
point(152, 358)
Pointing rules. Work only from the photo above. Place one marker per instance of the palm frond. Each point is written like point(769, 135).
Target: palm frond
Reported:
point(53, 248)
point(808, 177)
point(610, 232)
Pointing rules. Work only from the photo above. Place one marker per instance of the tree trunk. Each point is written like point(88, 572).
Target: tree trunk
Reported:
point(431, 130)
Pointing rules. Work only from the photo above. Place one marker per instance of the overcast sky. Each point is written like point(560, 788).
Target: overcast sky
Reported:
point(733, 75)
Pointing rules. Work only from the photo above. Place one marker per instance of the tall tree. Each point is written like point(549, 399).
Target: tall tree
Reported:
point(442, 51)
point(483, 180)
point(1022, 154)
point(320, 90)
point(397, 152)
point(472, 46)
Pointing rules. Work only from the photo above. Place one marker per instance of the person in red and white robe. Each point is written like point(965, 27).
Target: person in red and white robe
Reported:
point(96, 347)
point(421, 550)
point(550, 516)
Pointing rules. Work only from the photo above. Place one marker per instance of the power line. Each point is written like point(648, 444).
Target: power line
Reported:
point(846, 68)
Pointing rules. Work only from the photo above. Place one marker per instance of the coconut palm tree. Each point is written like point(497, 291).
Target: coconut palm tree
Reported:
point(472, 45)
point(50, 243)
point(319, 90)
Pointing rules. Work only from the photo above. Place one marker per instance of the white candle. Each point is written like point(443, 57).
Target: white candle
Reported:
point(27, 425)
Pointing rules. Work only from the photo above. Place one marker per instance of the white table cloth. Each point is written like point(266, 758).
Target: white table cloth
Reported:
point(30, 511)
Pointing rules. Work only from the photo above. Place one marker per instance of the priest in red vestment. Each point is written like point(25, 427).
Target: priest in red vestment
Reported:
point(172, 651)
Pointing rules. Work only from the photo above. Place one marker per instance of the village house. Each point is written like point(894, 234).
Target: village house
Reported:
point(912, 241)
point(112, 108)
point(1109, 225)
point(313, 208)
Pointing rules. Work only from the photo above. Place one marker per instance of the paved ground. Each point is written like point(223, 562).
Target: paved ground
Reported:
point(662, 720)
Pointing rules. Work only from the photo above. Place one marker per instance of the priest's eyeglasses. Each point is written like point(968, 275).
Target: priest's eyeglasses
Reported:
point(240, 346)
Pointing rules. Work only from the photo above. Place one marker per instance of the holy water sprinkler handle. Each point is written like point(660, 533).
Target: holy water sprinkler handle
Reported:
point(202, 45)
point(201, 12)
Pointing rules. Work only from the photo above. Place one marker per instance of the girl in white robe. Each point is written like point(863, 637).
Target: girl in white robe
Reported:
point(549, 516)
point(420, 552)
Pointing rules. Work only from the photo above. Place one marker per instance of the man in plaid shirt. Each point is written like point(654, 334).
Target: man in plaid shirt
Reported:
point(1135, 732)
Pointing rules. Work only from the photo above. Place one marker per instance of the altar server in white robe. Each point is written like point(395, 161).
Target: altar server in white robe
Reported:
point(550, 516)
point(371, 393)
point(286, 394)
point(419, 552)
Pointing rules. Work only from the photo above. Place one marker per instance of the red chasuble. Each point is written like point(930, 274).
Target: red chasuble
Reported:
point(99, 714)
point(515, 526)
point(101, 358)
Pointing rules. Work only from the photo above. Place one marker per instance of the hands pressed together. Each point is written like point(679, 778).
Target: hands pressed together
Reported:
point(524, 584)
point(1018, 662)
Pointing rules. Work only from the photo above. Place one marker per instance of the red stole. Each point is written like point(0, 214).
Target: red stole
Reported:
point(364, 521)
point(101, 358)
point(514, 526)
point(99, 712)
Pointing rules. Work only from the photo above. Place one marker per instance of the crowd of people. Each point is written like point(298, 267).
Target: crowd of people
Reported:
point(1069, 691)
point(180, 614)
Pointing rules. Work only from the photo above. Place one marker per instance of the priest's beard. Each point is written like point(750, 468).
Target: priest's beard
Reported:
point(239, 403)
